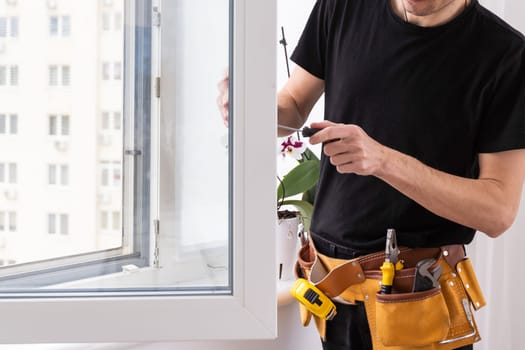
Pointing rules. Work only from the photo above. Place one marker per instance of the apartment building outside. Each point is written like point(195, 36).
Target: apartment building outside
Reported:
point(61, 121)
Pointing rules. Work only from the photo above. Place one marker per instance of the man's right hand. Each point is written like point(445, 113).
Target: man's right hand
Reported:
point(223, 101)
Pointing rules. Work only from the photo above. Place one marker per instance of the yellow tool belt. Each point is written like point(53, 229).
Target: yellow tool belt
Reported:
point(436, 319)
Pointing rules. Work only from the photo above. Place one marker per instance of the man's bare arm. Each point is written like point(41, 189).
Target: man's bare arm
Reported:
point(488, 204)
point(297, 98)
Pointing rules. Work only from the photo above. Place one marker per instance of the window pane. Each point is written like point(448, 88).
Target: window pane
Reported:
point(53, 25)
point(117, 73)
point(3, 27)
point(52, 174)
point(106, 25)
point(52, 125)
point(13, 124)
point(2, 220)
point(105, 120)
point(104, 220)
point(65, 125)
point(64, 224)
point(3, 72)
point(101, 211)
point(66, 25)
point(116, 221)
point(12, 221)
point(12, 173)
point(2, 172)
point(64, 175)
point(117, 120)
point(14, 75)
point(51, 224)
point(53, 75)
point(2, 124)
point(65, 75)
point(14, 27)
point(118, 21)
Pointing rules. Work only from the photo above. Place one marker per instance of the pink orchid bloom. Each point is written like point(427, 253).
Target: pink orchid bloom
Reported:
point(293, 148)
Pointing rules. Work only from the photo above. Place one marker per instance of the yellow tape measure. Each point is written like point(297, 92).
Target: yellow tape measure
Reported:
point(313, 299)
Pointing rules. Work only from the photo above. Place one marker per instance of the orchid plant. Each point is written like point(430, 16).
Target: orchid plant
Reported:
point(301, 180)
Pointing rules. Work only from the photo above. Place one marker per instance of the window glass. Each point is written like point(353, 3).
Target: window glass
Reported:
point(13, 124)
point(3, 27)
point(52, 125)
point(2, 124)
point(66, 25)
point(98, 204)
point(53, 25)
point(14, 27)
point(14, 75)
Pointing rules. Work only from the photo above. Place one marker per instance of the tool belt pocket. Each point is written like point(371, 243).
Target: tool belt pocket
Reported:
point(412, 319)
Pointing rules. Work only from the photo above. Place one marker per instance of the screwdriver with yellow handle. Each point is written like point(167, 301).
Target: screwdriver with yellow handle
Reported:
point(391, 263)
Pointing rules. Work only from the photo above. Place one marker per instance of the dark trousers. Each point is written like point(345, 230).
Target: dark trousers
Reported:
point(349, 330)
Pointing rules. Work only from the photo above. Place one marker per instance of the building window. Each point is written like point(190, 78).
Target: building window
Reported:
point(66, 25)
point(110, 221)
point(58, 174)
point(60, 26)
point(111, 120)
point(108, 68)
point(12, 79)
point(58, 125)
point(112, 21)
point(110, 174)
point(53, 25)
point(3, 27)
point(58, 223)
point(8, 27)
point(66, 75)
point(12, 221)
point(8, 124)
point(14, 75)
point(60, 74)
point(8, 221)
point(8, 173)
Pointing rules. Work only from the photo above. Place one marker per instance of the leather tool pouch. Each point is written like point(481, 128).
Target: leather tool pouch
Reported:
point(412, 319)
point(437, 319)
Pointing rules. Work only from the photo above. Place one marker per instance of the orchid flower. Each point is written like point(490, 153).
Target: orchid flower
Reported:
point(293, 148)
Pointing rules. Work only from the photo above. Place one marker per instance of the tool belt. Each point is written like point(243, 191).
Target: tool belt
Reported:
point(437, 319)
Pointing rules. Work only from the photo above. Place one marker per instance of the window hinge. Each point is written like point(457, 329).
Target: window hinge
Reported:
point(157, 87)
point(156, 259)
point(155, 20)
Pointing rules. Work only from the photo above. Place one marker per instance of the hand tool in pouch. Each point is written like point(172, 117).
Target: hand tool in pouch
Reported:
point(391, 263)
point(424, 278)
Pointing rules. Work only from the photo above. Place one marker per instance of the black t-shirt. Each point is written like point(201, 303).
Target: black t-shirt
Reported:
point(440, 94)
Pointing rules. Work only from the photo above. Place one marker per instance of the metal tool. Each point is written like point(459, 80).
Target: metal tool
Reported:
point(391, 263)
point(424, 278)
point(305, 132)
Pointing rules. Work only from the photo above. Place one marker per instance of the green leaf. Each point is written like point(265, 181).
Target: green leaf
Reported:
point(309, 155)
point(300, 179)
point(305, 208)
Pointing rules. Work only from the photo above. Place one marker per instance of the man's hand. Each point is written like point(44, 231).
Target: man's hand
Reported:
point(349, 148)
point(223, 100)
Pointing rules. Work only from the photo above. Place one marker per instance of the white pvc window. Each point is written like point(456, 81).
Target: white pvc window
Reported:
point(138, 186)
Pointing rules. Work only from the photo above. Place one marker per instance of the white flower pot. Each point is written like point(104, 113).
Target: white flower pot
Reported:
point(287, 246)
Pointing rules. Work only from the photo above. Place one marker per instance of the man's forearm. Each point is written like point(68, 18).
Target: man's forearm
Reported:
point(485, 204)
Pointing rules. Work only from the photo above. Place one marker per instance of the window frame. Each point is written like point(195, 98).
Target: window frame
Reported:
point(250, 311)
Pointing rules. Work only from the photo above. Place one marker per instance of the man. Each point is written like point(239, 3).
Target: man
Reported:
point(424, 130)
